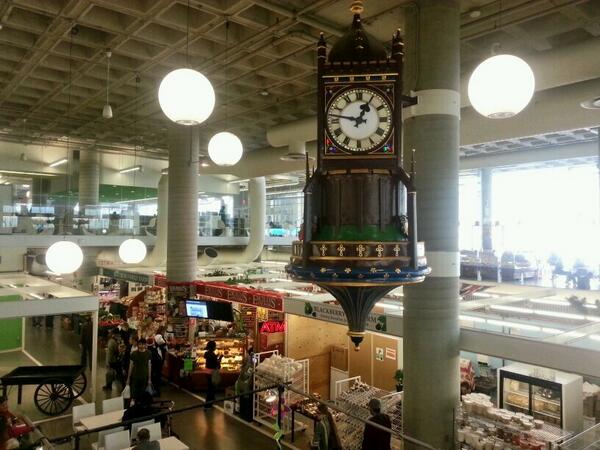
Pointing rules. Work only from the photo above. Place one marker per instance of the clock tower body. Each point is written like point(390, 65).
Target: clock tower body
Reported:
point(357, 242)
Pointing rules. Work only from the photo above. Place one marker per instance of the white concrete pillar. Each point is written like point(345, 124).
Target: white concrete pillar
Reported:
point(182, 231)
point(431, 327)
point(89, 180)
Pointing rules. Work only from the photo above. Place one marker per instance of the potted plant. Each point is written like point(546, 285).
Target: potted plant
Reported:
point(399, 377)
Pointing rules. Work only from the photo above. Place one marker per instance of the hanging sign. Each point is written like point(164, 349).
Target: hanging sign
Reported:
point(246, 296)
point(127, 276)
point(332, 313)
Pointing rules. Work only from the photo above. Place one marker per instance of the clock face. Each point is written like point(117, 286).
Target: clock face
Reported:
point(359, 119)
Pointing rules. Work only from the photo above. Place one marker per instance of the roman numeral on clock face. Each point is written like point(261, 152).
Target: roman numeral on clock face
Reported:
point(337, 132)
point(380, 131)
point(359, 96)
point(380, 107)
point(347, 140)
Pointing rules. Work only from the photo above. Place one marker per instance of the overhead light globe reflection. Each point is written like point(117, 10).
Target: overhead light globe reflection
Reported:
point(132, 251)
point(64, 257)
point(225, 149)
point(501, 86)
point(186, 97)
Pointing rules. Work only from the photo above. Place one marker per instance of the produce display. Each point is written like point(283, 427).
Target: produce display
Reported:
point(482, 426)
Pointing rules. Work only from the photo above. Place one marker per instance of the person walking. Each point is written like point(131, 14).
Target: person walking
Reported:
point(138, 378)
point(376, 438)
point(213, 365)
point(326, 436)
point(113, 364)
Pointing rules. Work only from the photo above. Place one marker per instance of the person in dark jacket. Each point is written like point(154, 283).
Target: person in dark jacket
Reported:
point(142, 407)
point(213, 362)
point(375, 438)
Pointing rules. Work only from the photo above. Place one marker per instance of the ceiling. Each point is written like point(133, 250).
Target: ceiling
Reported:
point(262, 64)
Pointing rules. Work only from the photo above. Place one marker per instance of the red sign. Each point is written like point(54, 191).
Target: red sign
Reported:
point(272, 326)
point(221, 291)
point(246, 296)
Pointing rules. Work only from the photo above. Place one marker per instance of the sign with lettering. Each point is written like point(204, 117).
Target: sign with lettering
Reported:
point(124, 275)
point(335, 314)
point(246, 296)
point(272, 326)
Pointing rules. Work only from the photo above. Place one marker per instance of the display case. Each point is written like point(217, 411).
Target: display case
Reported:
point(232, 350)
point(554, 397)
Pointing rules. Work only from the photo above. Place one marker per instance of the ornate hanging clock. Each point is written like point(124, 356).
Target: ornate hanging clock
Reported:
point(360, 236)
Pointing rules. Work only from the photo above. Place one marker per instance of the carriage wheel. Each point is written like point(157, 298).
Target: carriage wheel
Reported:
point(79, 385)
point(53, 397)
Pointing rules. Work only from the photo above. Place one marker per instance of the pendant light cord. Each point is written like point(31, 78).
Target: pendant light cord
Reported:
point(187, 36)
point(67, 201)
point(107, 73)
point(227, 74)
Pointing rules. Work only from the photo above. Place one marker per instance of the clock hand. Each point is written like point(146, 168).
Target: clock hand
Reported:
point(344, 117)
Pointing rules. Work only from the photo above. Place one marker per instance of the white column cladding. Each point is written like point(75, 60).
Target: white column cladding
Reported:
point(94, 375)
point(89, 179)
point(431, 327)
point(182, 231)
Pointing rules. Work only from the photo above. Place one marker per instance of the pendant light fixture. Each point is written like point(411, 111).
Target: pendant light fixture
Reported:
point(133, 251)
point(185, 95)
point(64, 257)
point(107, 110)
point(501, 86)
point(225, 148)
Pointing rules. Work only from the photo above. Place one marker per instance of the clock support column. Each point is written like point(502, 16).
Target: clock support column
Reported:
point(431, 326)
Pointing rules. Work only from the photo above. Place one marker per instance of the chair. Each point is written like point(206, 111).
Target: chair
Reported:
point(102, 436)
point(81, 412)
point(117, 441)
point(155, 431)
point(113, 404)
point(136, 426)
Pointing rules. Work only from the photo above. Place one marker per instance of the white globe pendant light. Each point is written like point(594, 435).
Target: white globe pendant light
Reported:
point(225, 149)
point(132, 251)
point(64, 257)
point(501, 86)
point(186, 97)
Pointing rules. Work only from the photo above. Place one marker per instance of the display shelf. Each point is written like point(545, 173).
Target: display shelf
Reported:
point(555, 398)
point(232, 350)
point(269, 369)
point(353, 395)
point(549, 435)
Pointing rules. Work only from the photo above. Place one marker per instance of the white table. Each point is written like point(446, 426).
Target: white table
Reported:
point(170, 443)
point(102, 420)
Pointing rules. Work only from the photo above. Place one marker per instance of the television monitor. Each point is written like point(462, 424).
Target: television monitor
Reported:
point(196, 308)
point(220, 311)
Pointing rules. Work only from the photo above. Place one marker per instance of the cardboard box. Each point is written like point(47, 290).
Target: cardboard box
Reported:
point(339, 357)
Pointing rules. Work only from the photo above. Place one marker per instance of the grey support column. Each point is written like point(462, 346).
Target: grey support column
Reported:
point(431, 328)
point(89, 180)
point(182, 229)
point(486, 209)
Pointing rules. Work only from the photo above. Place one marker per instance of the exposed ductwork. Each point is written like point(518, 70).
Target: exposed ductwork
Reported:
point(257, 196)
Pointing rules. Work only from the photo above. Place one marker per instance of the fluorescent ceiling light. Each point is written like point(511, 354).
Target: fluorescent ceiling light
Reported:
point(594, 337)
point(284, 192)
point(512, 309)
point(274, 186)
point(560, 315)
point(164, 171)
point(291, 291)
point(550, 302)
point(58, 162)
point(23, 172)
point(388, 306)
point(472, 318)
point(244, 180)
point(131, 169)
point(34, 295)
point(551, 330)
point(12, 286)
